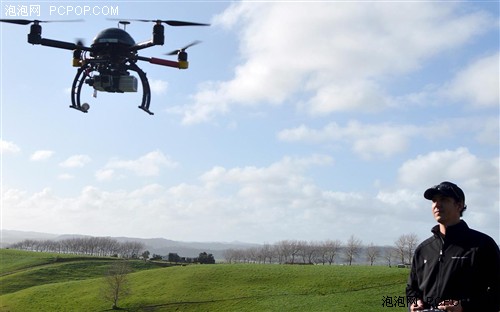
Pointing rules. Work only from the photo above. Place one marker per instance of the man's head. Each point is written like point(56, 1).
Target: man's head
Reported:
point(448, 202)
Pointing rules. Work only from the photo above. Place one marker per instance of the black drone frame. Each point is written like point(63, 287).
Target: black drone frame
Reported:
point(124, 61)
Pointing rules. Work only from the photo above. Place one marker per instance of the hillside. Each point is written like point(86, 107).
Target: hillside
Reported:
point(223, 287)
point(22, 269)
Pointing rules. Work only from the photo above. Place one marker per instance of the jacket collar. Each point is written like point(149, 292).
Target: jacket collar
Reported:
point(453, 231)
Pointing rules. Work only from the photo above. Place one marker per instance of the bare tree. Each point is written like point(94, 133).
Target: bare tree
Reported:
point(389, 255)
point(352, 249)
point(372, 253)
point(294, 249)
point(321, 253)
point(284, 251)
point(411, 244)
point(307, 250)
point(332, 250)
point(116, 282)
point(230, 255)
point(405, 247)
point(400, 248)
point(267, 252)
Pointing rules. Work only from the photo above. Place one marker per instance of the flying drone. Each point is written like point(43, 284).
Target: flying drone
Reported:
point(107, 63)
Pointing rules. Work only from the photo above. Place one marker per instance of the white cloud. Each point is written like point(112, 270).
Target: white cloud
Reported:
point(158, 86)
point(389, 139)
point(353, 95)
point(42, 155)
point(147, 165)
point(281, 172)
point(267, 203)
point(478, 83)
point(365, 140)
point(65, 176)
point(489, 130)
point(458, 165)
point(105, 174)
point(334, 53)
point(9, 147)
point(75, 161)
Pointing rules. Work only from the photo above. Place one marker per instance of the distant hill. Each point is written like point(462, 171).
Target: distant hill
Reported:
point(10, 236)
point(160, 246)
point(163, 246)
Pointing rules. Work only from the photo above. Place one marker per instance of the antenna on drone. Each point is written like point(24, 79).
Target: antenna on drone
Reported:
point(124, 23)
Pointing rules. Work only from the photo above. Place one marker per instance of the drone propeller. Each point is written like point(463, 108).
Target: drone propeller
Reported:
point(168, 22)
point(80, 42)
point(27, 22)
point(175, 52)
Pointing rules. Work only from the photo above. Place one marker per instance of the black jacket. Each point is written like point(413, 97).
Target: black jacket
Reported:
point(464, 265)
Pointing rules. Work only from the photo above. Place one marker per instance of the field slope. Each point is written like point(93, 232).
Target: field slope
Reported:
point(221, 287)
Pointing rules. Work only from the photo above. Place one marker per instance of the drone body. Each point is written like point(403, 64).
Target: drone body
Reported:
point(113, 54)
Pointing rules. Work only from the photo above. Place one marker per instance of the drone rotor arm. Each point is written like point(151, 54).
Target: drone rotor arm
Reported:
point(62, 45)
point(157, 61)
point(142, 45)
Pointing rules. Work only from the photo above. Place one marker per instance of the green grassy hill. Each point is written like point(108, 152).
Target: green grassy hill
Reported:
point(220, 287)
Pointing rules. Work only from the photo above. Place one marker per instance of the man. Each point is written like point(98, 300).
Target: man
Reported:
point(457, 269)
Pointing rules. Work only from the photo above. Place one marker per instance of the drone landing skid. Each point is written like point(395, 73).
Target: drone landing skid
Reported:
point(79, 108)
point(146, 110)
point(84, 72)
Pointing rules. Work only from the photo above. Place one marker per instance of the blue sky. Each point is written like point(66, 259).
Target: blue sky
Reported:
point(296, 120)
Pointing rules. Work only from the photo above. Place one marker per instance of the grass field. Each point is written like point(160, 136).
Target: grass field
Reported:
point(77, 284)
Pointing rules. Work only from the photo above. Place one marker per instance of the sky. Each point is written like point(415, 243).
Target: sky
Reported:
point(297, 120)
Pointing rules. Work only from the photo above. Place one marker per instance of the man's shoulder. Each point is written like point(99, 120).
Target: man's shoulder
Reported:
point(481, 238)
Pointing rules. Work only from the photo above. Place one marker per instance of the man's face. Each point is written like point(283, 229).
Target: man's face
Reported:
point(446, 210)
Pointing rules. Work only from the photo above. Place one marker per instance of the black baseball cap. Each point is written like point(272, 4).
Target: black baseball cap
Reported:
point(447, 189)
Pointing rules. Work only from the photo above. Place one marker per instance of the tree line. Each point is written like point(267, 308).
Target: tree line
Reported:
point(283, 252)
point(91, 246)
point(326, 252)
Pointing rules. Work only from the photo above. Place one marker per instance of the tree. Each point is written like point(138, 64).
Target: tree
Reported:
point(307, 250)
point(405, 246)
point(205, 258)
point(174, 257)
point(145, 255)
point(352, 249)
point(332, 249)
point(372, 253)
point(400, 247)
point(411, 244)
point(116, 280)
point(389, 255)
point(267, 252)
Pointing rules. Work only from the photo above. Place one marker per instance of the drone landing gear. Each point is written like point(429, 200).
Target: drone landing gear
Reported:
point(85, 71)
point(84, 108)
point(76, 88)
point(146, 90)
point(146, 110)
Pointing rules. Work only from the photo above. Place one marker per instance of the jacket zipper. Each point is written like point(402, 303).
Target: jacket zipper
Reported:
point(440, 271)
